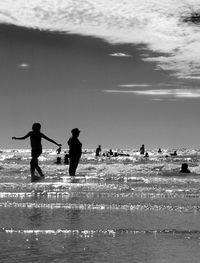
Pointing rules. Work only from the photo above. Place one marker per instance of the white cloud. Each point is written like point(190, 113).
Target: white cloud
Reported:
point(144, 85)
point(169, 93)
point(119, 55)
point(157, 24)
point(134, 85)
point(158, 99)
point(24, 65)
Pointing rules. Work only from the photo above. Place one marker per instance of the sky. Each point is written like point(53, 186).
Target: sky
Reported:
point(125, 72)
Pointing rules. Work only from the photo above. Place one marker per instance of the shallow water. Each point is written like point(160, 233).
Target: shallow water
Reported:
point(116, 210)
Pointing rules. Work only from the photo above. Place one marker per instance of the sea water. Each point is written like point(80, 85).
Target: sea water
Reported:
point(118, 209)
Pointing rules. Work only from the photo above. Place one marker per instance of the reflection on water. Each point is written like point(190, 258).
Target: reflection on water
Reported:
point(35, 218)
point(116, 210)
point(101, 248)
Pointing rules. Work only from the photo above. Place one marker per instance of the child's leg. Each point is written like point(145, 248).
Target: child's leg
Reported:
point(32, 165)
point(39, 170)
point(37, 167)
point(34, 162)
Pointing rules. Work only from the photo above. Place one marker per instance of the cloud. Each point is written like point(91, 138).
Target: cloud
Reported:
point(24, 65)
point(134, 85)
point(158, 99)
point(169, 29)
point(119, 55)
point(177, 93)
point(163, 93)
point(144, 85)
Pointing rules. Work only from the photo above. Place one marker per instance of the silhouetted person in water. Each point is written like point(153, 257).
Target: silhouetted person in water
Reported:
point(58, 150)
point(184, 168)
point(142, 150)
point(174, 153)
point(159, 150)
point(66, 158)
point(98, 151)
point(110, 152)
point(75, 151)
point(58, 159)
point(36, 148)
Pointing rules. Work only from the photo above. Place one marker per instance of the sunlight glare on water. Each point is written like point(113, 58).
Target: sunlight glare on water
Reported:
point(122, 209)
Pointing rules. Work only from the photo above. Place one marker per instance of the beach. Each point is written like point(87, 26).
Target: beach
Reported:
point(118, 209)
point(119, 78)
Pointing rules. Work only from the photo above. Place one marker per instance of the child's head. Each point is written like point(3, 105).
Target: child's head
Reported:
point(36, 126)
point(75, 132)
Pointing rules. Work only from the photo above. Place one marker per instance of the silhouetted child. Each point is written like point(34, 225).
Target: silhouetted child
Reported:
point(98, 151)
point(75, 151)
point(159, 150)
point(142, 149)
point(36, 148)
point(184, 168)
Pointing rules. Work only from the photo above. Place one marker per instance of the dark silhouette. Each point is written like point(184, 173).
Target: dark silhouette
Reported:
point(98, 151)
point(159, 150)
point(110, 152)
point(142, 149)
point(66, 158)
point(146, 154)
point(184, 168)
point(174, 153)
point(58, 160)
point(58, 150)
point(123, 154)
point(75, 151)
point(36, 148)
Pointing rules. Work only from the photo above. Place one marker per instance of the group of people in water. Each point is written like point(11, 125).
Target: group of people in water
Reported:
point(75, 150)
point(142, 152)
point(184, 166)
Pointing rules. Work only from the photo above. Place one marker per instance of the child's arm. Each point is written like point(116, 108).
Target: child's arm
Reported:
point(50, 140)
point(21, 138)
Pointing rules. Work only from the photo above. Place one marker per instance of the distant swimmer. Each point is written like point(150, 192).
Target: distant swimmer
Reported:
point(58, 159)
point(174, 153)
point(66, 158)
point(75, 151)
point(58, 150)
point(146, 154)
point(98, 151)
point(36, 148)
point(184, 168)
point(142, 149)
point(159, 150)
point(110, 152)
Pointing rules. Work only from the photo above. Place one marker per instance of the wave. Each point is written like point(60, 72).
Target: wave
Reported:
point(101, 207)
point(105, 232)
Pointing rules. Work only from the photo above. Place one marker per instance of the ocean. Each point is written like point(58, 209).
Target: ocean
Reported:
point(126, 208)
